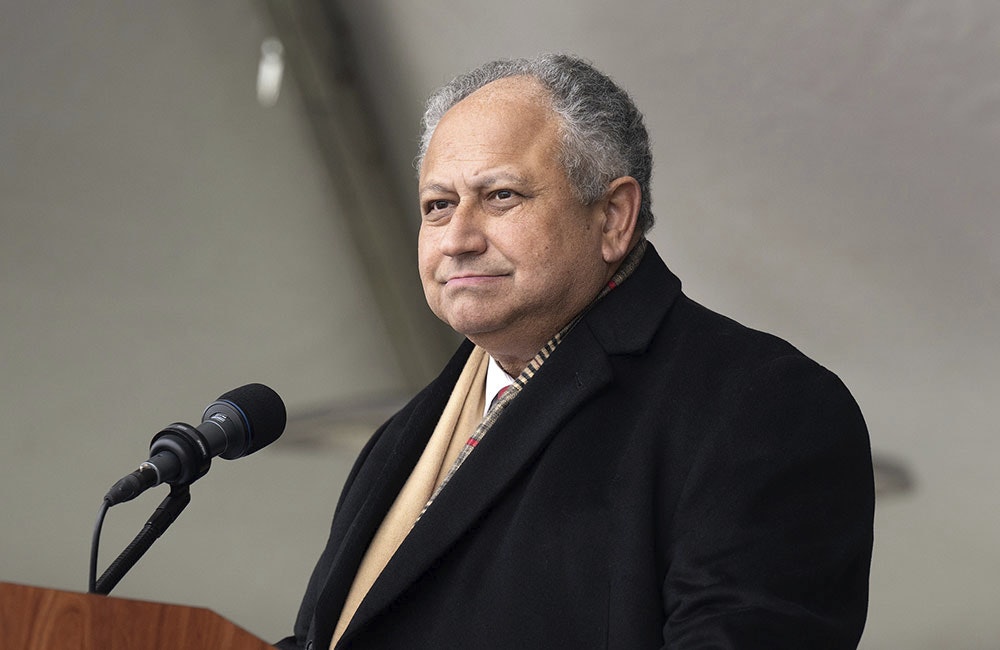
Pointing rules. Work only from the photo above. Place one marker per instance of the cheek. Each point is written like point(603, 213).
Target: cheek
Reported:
point(426, 259)
point(432, 290)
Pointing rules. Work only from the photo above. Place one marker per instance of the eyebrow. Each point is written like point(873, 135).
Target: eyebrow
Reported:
point(437, 188)
point(478, 183)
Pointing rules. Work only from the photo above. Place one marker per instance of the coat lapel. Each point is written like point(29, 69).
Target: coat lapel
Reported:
point(380, 477)
point(577, 371)
point(560, 387)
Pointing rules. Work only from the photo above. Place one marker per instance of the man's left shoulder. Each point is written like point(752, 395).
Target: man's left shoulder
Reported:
point(714, 339)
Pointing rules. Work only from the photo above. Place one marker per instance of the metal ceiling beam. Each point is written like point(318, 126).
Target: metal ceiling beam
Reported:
point(320, 57)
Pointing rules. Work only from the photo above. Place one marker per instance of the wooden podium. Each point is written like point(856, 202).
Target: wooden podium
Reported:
point(33, 618)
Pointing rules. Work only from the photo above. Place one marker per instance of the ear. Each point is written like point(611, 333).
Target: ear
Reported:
point(621, 214)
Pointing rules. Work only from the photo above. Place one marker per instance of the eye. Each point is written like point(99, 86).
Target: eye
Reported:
point(504, 196)
point(437, 205)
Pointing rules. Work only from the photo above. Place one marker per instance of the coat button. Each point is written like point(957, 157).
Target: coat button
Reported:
point(309, 645)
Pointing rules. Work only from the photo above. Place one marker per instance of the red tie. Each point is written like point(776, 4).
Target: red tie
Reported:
point(499, 395)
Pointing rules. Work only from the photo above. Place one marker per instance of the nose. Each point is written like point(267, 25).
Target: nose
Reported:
point(464, 234)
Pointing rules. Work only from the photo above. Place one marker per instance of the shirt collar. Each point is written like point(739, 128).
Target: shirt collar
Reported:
point(496, 380)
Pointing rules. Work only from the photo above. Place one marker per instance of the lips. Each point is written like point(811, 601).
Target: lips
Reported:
point(473, 279)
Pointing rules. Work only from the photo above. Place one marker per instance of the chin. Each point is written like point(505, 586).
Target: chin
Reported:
point(476, 329)
point(473, 330)
point(470, 319)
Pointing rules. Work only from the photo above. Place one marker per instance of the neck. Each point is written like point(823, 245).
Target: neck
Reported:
point(512, 365)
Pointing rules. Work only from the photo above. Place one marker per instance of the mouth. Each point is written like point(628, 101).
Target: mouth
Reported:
point(473, 279)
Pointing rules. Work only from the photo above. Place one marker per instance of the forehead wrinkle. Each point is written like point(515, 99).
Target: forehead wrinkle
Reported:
point(506, 132)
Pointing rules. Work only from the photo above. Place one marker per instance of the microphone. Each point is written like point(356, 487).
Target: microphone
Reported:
point(237, 424)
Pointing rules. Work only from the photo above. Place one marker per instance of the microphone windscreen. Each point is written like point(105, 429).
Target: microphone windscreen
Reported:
point(264, 412)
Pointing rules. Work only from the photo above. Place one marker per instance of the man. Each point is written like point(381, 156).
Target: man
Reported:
point(655, 475)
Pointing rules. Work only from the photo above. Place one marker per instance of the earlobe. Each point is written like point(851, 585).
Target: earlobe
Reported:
point(621, 214)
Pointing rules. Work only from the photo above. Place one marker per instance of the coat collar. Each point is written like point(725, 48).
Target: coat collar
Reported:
point(622, 323)
point(626, 319)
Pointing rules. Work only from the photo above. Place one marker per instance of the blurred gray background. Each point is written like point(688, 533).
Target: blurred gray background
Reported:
point(828, 171)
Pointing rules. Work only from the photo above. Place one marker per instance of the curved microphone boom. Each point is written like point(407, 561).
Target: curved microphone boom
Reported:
point(239, 423)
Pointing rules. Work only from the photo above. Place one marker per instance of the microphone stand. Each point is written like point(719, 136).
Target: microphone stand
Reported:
point(159, 521)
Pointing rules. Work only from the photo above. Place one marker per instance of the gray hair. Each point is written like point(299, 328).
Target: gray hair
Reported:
point(603, 135)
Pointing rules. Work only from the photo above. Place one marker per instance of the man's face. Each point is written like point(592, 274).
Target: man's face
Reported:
point(507, 253)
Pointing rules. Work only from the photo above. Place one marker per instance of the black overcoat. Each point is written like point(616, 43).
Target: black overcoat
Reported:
point(669, 478)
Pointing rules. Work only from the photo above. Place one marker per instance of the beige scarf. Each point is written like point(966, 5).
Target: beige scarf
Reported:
point(461, 415)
